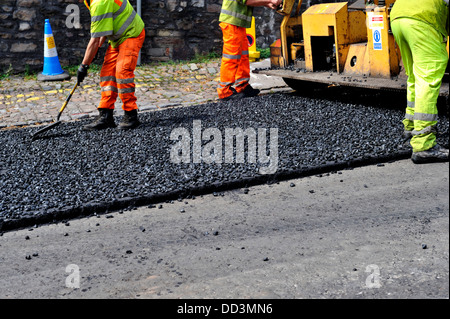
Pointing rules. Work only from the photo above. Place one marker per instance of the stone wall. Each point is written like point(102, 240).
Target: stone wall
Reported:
point(175, 30)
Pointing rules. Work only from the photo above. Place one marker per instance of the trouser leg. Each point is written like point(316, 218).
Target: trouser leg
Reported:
point(108, 81)
point(407, 60)
point(126, 65)
point(426, 60)
point(243, 71)
point(232, 51)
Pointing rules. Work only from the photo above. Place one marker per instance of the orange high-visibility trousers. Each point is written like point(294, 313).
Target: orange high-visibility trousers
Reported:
point(235, 67)
point(117, 74)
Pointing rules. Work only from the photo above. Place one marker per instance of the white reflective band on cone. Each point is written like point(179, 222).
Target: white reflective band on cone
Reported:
point(50, 47)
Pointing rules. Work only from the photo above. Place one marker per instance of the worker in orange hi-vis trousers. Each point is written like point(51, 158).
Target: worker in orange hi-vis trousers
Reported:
point(236, 17)
point(117, 22)
point(117, 74)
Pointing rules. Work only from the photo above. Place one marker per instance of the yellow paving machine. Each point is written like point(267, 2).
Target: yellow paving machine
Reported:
point(339, 45)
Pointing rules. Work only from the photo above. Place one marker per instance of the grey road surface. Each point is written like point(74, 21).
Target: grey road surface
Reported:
point(380, 231)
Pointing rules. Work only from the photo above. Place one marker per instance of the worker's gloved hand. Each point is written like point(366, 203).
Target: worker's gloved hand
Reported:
point(82, 72)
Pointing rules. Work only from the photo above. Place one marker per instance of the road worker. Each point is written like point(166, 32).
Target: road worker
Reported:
point(117, 22)
point(421, 29)
point(235, 17)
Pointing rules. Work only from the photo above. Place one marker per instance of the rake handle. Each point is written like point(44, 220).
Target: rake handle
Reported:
point(67, 101)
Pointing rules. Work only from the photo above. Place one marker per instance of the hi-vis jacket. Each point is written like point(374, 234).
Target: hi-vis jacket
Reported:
point(435, 13)
point(115, 19)
point(237, 13)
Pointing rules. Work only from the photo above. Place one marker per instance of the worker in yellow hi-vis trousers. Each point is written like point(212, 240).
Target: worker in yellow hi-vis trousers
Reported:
point(421, 29)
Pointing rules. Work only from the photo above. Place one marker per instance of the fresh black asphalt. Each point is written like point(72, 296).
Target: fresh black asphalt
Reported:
point(68, 172)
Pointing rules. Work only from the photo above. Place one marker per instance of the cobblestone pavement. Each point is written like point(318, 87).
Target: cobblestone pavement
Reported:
point(26, 101)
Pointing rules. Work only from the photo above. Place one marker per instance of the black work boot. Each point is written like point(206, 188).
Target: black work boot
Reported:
point(435, 154)
point(105, 119)
point(130, 120)
point(249, 91)
point(234, 96)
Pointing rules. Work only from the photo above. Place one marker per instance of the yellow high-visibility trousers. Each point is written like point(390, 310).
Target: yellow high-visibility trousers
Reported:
point(425, 58)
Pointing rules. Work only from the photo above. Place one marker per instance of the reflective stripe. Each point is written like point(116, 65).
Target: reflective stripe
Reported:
point(125, 81)
point(411, 104)
point(427, 130)
point(101, 34)
point(109, 88)
point(231, 56)
point(244, 52)
point(425, 117)
point(409, 116)
point(236, 15)
point(124, 27)
point(108, 78)
point(242, 80)
point(225, 83)
point(127, 90)
point(107, 15)
point(121, 9)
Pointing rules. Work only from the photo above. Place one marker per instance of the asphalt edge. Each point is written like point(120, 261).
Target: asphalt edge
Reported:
point(55, 215)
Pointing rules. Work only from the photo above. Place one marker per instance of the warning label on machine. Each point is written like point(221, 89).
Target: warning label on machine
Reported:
point(376, 21)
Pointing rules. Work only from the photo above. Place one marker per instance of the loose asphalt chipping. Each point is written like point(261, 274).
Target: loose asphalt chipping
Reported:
point(68, 172)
